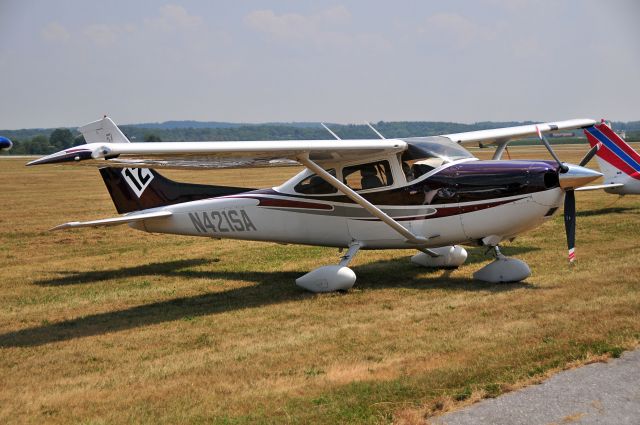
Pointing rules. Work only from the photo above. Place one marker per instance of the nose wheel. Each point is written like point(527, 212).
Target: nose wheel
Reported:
point(503, 269)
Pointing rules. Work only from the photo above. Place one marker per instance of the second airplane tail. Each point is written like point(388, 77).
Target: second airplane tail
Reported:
point(618, 161)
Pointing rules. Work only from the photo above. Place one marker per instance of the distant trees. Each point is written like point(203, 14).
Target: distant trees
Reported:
point(61, 138)
point(152, 138)
point(34, 146)
point(79, 140)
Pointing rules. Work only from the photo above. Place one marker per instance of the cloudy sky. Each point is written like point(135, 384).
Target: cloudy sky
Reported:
point(68, 62)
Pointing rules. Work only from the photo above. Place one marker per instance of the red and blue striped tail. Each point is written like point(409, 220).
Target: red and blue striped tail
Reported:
point(614, 150)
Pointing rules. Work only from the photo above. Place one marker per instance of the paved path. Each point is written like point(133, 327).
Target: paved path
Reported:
point(599, 393)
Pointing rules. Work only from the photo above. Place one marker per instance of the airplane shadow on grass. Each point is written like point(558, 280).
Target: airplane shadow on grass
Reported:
point(610, 210)
point(271, 288)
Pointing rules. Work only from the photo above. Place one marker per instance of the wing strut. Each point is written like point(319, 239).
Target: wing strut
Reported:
point(329, 130)
point(374, 130)
point(375, 211)
point(500, 150)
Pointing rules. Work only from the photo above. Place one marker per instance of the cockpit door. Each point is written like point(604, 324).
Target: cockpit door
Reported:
point(442, 220)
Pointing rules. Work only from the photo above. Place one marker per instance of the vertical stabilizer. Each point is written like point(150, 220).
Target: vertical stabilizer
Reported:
point(618, 161)
point(103, 131)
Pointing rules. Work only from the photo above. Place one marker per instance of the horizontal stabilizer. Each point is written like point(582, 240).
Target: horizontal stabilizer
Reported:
point(599, 187)
point(115, 221)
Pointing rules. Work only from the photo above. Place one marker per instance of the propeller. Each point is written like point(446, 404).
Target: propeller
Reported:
point(571, 176)
point(585, 160)
point(570, 208)
point(570, 222)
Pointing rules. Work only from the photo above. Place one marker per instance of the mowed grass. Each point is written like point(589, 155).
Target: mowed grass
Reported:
point(119, 326)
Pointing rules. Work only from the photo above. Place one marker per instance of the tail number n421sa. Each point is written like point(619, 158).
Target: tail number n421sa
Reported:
point(222, 221)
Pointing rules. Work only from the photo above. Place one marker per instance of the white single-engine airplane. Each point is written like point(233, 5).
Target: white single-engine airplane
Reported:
point(425, 193)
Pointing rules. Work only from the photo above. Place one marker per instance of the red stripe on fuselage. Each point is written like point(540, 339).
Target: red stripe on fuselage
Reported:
point(449, 211)
point(276, 202)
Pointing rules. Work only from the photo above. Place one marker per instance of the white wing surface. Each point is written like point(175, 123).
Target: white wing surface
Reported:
point(109, 147)
point(220, 154)
point(508, 134)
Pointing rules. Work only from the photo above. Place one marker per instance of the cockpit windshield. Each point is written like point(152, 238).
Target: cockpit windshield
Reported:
point(427, 153)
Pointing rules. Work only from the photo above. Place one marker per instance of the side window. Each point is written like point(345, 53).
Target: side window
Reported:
point(315, 185)
point(368, 176)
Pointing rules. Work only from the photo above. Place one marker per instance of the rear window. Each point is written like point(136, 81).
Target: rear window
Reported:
point(315, 185)
point(368, 176)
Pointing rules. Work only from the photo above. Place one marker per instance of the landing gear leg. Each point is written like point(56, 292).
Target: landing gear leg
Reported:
point(503, 269)
point(332, 278)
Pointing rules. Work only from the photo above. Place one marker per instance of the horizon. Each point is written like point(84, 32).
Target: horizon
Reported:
point(290, 123)
point(70, 62)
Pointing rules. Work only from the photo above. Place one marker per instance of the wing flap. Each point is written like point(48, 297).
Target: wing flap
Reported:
point(114, 221)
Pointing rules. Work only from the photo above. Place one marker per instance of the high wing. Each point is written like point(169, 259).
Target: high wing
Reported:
point(507, 134)
point(220, 154)
point(108, 147)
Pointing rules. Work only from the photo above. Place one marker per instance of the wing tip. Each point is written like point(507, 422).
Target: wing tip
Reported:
point(63, 226)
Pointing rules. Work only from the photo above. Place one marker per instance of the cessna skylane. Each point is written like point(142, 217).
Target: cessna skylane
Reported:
point(424, 193)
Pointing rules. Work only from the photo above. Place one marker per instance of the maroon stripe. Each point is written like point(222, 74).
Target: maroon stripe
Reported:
point(274, 202)
point(449, 211)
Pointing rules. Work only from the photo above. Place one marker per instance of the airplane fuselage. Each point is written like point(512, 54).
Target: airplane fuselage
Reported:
point(459, 203)
point(426, 193)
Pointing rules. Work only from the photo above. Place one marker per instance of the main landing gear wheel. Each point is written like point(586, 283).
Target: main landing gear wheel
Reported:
point(446, 256)
point(503, 269)
point(331, 278)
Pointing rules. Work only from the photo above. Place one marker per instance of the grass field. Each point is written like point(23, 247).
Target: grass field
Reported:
point(118, 326)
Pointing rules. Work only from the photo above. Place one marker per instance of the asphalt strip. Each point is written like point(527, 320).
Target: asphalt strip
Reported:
point(599, 393)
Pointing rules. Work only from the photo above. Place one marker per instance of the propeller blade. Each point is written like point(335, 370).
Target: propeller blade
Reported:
point(585, 160)
point(570, 223)
point(563, 168)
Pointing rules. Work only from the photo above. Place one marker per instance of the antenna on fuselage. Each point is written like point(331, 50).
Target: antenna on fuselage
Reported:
point(329, 130)
point(375, 131)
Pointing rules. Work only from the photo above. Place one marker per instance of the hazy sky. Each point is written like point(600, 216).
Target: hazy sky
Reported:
point(68, 62)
